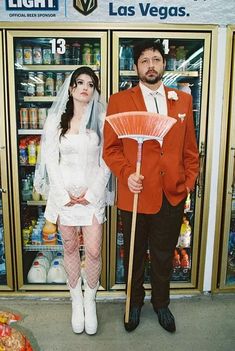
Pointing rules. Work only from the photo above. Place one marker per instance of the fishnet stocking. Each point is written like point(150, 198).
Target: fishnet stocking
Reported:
point(72, 265)
point(92, 236)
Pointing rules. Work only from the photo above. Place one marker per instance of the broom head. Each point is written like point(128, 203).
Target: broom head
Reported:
point(141, 125)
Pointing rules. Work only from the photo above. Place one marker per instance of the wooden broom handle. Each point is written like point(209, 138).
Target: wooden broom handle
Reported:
point(132, 241)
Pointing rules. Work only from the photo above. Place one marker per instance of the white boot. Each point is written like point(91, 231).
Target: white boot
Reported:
point(91, 322)
point(77, 307)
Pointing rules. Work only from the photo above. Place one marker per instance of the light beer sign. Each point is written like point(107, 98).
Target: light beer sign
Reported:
point(32, 5)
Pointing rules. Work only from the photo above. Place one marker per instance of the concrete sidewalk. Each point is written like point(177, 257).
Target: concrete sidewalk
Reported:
point(204, 323)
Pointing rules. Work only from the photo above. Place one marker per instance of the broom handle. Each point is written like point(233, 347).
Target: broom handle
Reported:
point(132, 242)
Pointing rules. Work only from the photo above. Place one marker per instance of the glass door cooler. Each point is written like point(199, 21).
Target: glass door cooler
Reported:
point(6, 269)
point(38, 63)
point(224, 253)
point(187, 68)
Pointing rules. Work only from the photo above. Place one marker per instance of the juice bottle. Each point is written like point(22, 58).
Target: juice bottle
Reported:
point(49, 84)
point(32, 152)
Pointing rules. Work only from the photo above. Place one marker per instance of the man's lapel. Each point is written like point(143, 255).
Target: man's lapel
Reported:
point(138, 99)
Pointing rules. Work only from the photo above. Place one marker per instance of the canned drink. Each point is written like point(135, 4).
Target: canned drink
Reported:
point(42, 115)
point(33, 117)
point(24, 118)
point(28, 55)
point(37, 55)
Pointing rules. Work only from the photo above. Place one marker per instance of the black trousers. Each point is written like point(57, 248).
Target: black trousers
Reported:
point(160, 231)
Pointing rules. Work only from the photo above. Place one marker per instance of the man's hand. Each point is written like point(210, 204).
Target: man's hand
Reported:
point(135, 183)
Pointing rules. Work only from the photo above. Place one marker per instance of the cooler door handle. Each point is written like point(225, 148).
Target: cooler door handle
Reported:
point(200, 179)
point(3, 190)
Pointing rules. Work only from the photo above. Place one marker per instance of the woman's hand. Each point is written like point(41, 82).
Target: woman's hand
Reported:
point(77, 200)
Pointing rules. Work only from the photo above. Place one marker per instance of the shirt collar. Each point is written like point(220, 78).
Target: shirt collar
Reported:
point(146, 91)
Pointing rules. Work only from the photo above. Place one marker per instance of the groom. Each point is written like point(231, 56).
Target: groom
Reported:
point(168, 174)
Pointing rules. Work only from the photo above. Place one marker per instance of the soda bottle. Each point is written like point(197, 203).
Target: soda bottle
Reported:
point(37, 55)
point(40, 84)
point(59, 81)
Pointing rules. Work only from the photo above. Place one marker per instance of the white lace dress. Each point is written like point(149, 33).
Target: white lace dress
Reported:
point(74, 166)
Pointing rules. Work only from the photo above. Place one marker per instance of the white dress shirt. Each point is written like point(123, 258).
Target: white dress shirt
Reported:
point(160, 96)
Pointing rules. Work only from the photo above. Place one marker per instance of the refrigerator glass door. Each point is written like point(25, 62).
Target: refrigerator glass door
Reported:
point(39, 63)
point(6, 272)
point(227, 271)
point(187, 67)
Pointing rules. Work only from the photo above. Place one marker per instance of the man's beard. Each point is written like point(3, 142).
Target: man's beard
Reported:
point(151, 80)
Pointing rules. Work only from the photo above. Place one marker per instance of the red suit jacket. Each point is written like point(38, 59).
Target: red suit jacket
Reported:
point(169, 169)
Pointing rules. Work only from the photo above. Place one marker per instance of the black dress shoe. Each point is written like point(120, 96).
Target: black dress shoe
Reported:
point(166, 319)
point(134, 319)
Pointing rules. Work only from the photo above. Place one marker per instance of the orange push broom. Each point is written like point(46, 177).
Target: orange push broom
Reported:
point(140, 126)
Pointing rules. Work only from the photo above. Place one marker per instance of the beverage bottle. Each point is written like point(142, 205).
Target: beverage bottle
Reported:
point(25, 190)
point(129, 59)
point(96, 54)
point(86, 54)
point(67, 54)
point(59, 81)
point(180, 58)
point(122, 57)
point(28, 55)
point(19, 55)
point(40, 84)
point(31, 86)
point(120, 266)
point(23, 156)
point(57, 58)
point(171, 60)
point(56, 273)
point(32, 152)
point(76, 53)
point(43, 260)
point(37, 55)
point(47, 55)
point(37, 273)
point(49, 84)
point(24, 118)
point(33, 117)
point(42, 115)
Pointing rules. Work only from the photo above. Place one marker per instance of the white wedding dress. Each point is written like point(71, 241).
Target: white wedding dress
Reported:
point(75, 165)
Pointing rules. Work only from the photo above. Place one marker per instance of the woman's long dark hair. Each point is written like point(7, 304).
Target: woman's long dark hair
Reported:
point(68, 114)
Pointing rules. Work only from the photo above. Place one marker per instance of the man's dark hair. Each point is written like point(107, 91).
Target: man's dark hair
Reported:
point(146, 44)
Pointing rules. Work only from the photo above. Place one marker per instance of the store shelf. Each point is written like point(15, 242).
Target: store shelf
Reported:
point(43, 248)
point(36, 203)
point(30, 131)
point(39, 98)
point(167, 73)
point(53, 67)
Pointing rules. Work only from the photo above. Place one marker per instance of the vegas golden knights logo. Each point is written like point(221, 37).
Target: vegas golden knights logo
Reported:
point(85, 6)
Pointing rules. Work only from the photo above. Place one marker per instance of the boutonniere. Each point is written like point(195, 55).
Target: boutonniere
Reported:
point(182, 116)
point(172, 95)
